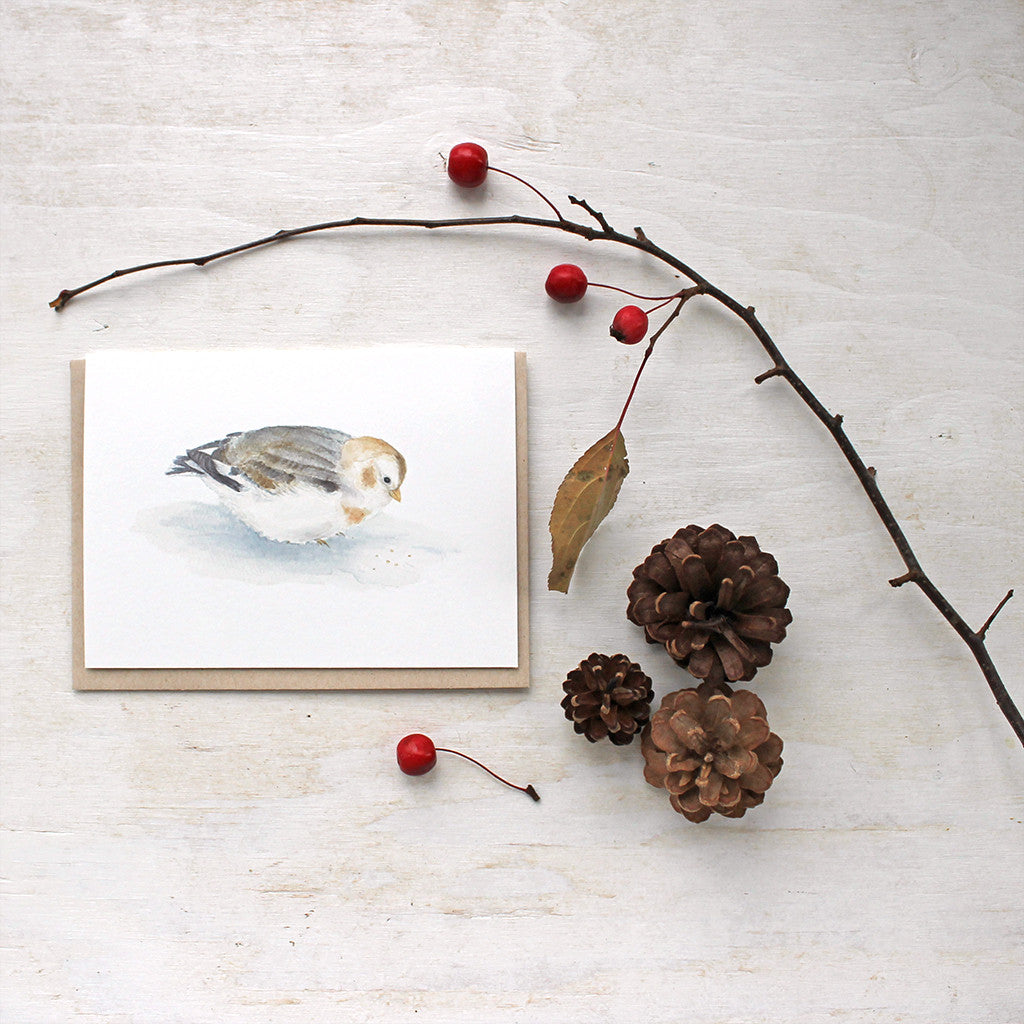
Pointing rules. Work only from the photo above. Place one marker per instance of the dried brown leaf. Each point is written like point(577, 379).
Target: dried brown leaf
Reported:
point(584, 498)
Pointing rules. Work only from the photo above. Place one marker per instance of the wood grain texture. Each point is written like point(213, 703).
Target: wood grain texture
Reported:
point(853, 170)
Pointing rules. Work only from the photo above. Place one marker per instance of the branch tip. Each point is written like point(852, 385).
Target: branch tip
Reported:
point(775, 371)
point(911, 576)
point(596, 214)
point(988, 622)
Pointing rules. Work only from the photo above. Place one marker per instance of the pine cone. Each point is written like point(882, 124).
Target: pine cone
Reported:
point(608, 696)
point(712, 752)
point(714, 600)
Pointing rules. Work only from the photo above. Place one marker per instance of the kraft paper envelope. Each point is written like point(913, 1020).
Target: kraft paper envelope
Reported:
point(299, 678)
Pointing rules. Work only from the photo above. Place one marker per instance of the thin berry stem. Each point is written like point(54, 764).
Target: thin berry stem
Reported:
point(660, 305)
point(636, 380)
point(532, 188)
point(646, 298)
point(528, 790)
point(683, 296)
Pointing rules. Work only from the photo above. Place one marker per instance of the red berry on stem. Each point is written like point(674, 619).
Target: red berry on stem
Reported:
point(566, 283)
point(467, 164)
point(416, 754)
point(629, 325)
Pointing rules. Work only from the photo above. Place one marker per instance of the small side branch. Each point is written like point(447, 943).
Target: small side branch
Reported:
point(988, 622)
point(775, 371)
point(596, 214)
point(911, 576)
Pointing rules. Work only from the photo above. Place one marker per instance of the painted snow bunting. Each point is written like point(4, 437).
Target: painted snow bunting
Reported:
point(298, 484)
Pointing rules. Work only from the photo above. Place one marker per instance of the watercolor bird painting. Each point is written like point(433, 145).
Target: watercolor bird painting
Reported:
point(298, 484)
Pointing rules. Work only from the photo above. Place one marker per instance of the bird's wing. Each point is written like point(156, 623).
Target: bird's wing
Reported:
point(282, 458)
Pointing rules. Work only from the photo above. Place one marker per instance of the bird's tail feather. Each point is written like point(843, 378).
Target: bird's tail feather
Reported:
point(202, 463)
point(182, 465)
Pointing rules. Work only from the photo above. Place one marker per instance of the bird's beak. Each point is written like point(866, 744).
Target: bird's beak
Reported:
point(396, 494)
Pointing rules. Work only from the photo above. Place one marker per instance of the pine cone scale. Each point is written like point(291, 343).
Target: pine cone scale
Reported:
point(746, 705)
point(684, 763)
point(742, 579)
point(760, 652)
point(726, 594)
point(735, 554)
point(731, 660)
point(768, 626)
point(767, 592)
point(753, 731)
point(735, 762)
point(757, 780)
point(665, 736)
point(645, 611)
point(688, 803)
point(743, 649)
point(709, 787)
point(703, 663)
point(693, 575)
point(669, 605)
point(688, 732)
point(711, 545)
point(730, 796)
point(677, 550)
point(717, 711)
point(770, 751)
point(662, 573)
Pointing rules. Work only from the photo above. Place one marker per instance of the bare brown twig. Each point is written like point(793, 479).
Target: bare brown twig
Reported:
point(833, 422)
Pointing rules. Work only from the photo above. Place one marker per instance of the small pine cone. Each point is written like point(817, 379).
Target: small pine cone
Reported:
point(608, 696)
point(714, 600)
point(712, 752)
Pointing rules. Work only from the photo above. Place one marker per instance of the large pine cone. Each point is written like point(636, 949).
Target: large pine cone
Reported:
point(714, 600)
point(608, 696)
point(712, 752)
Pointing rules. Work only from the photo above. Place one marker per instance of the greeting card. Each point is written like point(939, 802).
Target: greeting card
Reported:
point(302, 519)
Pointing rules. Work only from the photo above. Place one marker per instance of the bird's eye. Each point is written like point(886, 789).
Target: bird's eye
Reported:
point(387, 479)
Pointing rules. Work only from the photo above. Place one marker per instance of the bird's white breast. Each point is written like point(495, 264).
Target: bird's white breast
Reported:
point(298, 515)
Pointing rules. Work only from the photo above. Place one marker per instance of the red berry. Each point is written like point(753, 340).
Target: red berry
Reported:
point(416, 754)
point(629, 325)
point(566, 283)
point(467, 164)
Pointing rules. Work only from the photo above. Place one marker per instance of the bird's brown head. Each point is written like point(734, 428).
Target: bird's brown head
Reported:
point(374, 466)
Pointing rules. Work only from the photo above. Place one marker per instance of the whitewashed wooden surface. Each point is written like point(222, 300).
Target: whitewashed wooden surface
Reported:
point(851, 169)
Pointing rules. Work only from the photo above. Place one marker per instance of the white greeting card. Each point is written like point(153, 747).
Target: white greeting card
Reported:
point(303, 509)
